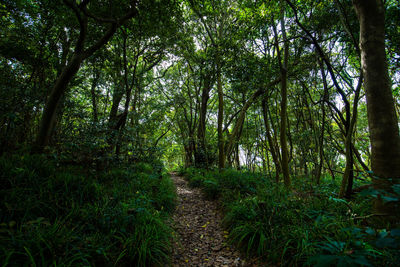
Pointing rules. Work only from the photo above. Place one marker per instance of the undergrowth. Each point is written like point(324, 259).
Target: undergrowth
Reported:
point(70, 216)
point(307, 226)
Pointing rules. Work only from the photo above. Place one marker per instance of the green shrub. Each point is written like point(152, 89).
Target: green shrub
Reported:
point(245, 183)
point(211, 188)
point(196, 180)
point(143, 167)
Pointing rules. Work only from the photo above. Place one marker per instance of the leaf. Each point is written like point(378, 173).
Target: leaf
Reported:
point(383, 233)
point(395, 232)
point(389, 199)
point(344, 261)
point(370, 231)
point(387, 242)
point(338, 200)
point(362, 261)
point(396, 188)
point(322, 260)
point(369, 192)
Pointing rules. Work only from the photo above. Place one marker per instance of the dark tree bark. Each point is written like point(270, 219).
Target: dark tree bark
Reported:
point(93, 94)
point(283, 65)
point(221, 154)
point(49, 113)
point(382, 120)
point(201, 156)
point(271, 144)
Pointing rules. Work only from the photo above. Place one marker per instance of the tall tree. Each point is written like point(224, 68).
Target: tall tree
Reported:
point(382, 120)
point(215, 19)
point(283, 66)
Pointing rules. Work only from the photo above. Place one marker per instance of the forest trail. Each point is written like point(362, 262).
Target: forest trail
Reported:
point(199, 238)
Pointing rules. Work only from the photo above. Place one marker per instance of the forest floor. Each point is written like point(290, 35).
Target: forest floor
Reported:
point(200, 239)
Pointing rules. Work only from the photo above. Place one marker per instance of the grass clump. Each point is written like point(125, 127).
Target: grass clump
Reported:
point(52, 215)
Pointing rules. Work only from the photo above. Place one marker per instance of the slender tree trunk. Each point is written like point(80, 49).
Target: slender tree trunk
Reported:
point(236, 132)
point(348, 171)
point(360, 160)
point(283, 133)
point(283, 115)
point(221, 154)
point(114, 118)
point(93, 94)
point(321, 137)
point(116, 100)
point(349, 143)
point(201, 152)
point(321, 145)
point(271, 144)
point(382, 120)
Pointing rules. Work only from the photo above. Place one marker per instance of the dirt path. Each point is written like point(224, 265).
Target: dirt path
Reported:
point(200, 239)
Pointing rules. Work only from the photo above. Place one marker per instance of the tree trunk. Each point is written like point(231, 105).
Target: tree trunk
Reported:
point(284, 116)
point(321, 144)
point(221, 154)
point(274, 154)
point(201, 158)
point(382, 120)
point(52, 103)
point(69, 71)
point(93, 94)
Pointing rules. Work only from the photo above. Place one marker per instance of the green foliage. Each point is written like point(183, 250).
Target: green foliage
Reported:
point(309, 226)
point(68, 216)
point(211, 188)
point(141, 98)
point(196, 181)
point(144, 167)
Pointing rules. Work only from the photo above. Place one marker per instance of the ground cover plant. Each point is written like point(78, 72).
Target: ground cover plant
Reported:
point(71, 216)
point(307, 226)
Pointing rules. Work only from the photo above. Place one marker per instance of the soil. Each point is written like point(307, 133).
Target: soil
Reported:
point(200, 239)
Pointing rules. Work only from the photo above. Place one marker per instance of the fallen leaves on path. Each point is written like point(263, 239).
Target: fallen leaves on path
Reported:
point(200, 239)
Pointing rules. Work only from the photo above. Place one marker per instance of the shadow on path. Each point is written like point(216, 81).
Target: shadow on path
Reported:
point(200, 239)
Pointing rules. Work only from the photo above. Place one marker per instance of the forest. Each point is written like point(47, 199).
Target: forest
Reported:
point(199, 133)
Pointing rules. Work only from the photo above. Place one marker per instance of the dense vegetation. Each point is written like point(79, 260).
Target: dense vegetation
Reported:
point(307, 226)
point(70, 216)
point(284, 111)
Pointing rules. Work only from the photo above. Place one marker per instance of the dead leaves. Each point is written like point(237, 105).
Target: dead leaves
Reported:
point(200, 239)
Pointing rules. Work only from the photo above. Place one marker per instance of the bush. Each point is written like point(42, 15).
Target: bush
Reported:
point(196, 180)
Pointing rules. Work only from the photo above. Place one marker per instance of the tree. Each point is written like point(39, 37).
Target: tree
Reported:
point(215, 20)
point(283, 66)
point(382, 120)
point(80, 54)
